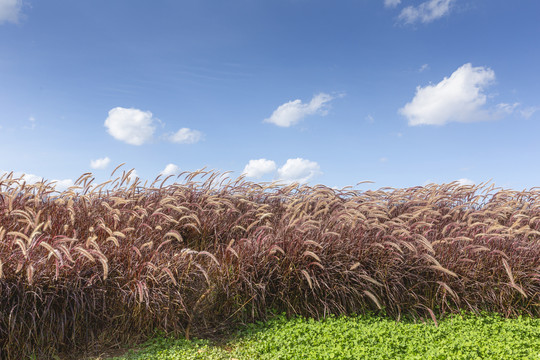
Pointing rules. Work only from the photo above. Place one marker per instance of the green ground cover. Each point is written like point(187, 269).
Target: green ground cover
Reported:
point(362, 337)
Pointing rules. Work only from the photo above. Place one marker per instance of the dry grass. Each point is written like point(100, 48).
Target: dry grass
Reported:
point(112, 263)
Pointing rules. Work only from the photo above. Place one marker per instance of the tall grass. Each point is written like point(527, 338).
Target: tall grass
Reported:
point(112, 263)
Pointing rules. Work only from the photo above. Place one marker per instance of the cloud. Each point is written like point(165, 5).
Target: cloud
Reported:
point(507, 108)
point(9, 10)
point(465, 182)
point(258, 168)
point(298, 170)
point(391, 3)
point(292, 112)
point(100, 163)
point(61, 185)
point(425, 12)
point(133, 176)
point(458, 98)
point(528, 112)
point(137, 127)
point(383, 159)
point(170, 169)
point(423, 68)
point(186, 136)
point(30, 179)
point(132, 126)
point(370, 119)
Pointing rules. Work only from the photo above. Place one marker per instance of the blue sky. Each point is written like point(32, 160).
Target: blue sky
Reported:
point(402, 93)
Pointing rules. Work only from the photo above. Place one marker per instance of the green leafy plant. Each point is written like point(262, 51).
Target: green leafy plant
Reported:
point(364, 337)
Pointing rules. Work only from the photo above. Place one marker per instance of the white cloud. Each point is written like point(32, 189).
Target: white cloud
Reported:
point(258, 168)
point(9, 10)
point(370, 119)
point(100, 163)
point(383, 159)
point(391, 3)
point(465, 182)
point(298, 170)
point(292, 112)
point(137, 127)
point(133, 176)
point(170, 169)
point(186, 136)
point(425, 12)
point(30, 179)
point(61, 185)
point(131, 126)
point(457, 98)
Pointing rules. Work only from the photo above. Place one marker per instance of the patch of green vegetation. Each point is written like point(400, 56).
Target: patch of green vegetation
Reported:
point(363, 337)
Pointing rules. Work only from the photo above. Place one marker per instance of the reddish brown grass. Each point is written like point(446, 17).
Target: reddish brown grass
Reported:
point(110, 263)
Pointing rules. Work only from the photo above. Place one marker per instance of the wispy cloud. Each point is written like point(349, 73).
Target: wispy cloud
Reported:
point(298, 170)
point(391, 3)
point(529, 111)
point(258, 168)
point(132, 126)
point(100, 163)
point(425, 12)
point(507, 108)
point(423, 68)
point(457, 98)
point(10, 11)
point(292, 112)
point(515, 108)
